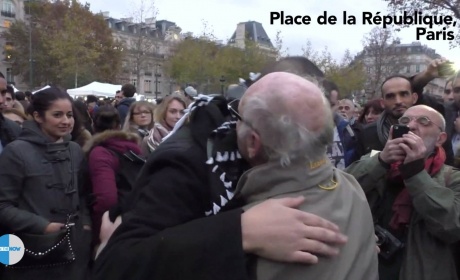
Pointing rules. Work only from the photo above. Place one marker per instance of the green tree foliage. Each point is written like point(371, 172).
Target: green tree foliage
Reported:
point(70, 45)
point(202, 62)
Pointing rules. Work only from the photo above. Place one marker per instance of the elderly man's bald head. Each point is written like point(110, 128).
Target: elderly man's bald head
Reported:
point(286, 114)
point(289, 94)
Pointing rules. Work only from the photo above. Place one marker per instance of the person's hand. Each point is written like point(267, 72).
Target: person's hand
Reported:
point(413, 146)
point(432, 70)
point(392, 152)
point(53, 227)
point(275, 230)
point(107, 227)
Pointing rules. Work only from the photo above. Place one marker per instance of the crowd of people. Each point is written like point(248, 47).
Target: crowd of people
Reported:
point(278, 179)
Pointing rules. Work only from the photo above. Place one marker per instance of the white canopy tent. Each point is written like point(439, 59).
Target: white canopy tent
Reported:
point(45, 87)
point(95, 88)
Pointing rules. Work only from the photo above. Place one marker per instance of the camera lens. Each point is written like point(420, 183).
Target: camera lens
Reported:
point(381, 238)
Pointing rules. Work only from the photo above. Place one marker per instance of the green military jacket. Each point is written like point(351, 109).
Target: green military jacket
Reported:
point(435, 221)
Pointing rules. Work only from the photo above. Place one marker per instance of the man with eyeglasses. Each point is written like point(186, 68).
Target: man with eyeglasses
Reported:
point(9, 130)
point(183, 224)
point(118, 98)
point(285, 124)
point(415, 199)
point(398, 95)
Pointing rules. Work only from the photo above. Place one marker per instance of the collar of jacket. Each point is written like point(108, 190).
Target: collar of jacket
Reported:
point(258, 183)
point(101, 137)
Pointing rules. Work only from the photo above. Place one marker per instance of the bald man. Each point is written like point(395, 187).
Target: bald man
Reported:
point(9, 130)
point(283, 133)
point(185, 222)
point(415, 199)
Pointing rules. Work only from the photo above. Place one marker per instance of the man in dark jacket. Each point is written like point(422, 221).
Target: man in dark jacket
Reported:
point(398, 95)
point(128, 91)
point(9, 130)
point(178, 196)
point(415, 200)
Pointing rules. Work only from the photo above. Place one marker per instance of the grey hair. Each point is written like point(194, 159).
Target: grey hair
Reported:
point(282, 137)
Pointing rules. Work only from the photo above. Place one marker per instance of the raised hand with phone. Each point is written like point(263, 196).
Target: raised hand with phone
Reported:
point(419, 131)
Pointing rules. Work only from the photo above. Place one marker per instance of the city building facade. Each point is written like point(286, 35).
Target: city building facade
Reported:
point(397, 58)
point(146, 46)
point(11, 10)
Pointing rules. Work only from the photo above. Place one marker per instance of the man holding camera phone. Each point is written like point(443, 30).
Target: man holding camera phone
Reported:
point(398, 94)
point(414, 198)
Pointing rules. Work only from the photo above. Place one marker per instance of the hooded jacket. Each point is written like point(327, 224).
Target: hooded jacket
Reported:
point(123, 107)
point(103, 166)
point(9, 131)
point(40, 185)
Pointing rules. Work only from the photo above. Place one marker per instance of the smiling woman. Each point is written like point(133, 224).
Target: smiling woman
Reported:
point(40, 199)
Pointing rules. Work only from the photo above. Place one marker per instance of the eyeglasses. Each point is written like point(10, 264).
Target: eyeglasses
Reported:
point(455, 90)
point(234, 113)
point(422, 120)
point(233, 109)
point(344, 107)
point(141, 112)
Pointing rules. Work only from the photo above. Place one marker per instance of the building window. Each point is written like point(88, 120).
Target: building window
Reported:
point(8, 9)
point(417, 68)
point(408, 69)
point(368, 69)
point(122, 28)
point(147, 86)
point(9, 76)
point(134, 82)
point(110, 24)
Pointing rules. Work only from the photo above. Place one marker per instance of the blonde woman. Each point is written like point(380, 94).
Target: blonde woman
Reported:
point(139, 119)
point(167, 114)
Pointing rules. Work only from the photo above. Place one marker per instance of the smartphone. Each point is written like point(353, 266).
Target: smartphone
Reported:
point(399, 130)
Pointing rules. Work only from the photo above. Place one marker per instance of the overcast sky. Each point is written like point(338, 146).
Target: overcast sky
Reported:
point(222, 17)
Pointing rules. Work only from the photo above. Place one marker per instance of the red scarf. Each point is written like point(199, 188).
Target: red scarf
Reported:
point(402, 206)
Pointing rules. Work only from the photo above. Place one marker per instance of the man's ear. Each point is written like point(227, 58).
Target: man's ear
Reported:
point(253, 144)
point(382, 103)
point(414, 98)
point(441, 139)
point(37, 117)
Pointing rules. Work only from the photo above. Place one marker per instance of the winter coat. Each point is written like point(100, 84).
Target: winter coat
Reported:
point(123, 107)
point(331, 194)
point(167, 235)
point(39, 185)
point(103, 166)
point(9, 131)
point(435, 222)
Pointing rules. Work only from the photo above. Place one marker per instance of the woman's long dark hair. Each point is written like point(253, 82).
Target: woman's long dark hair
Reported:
point(106, 118)
point(375, 105)
point(86, 119)
point(78, 127)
